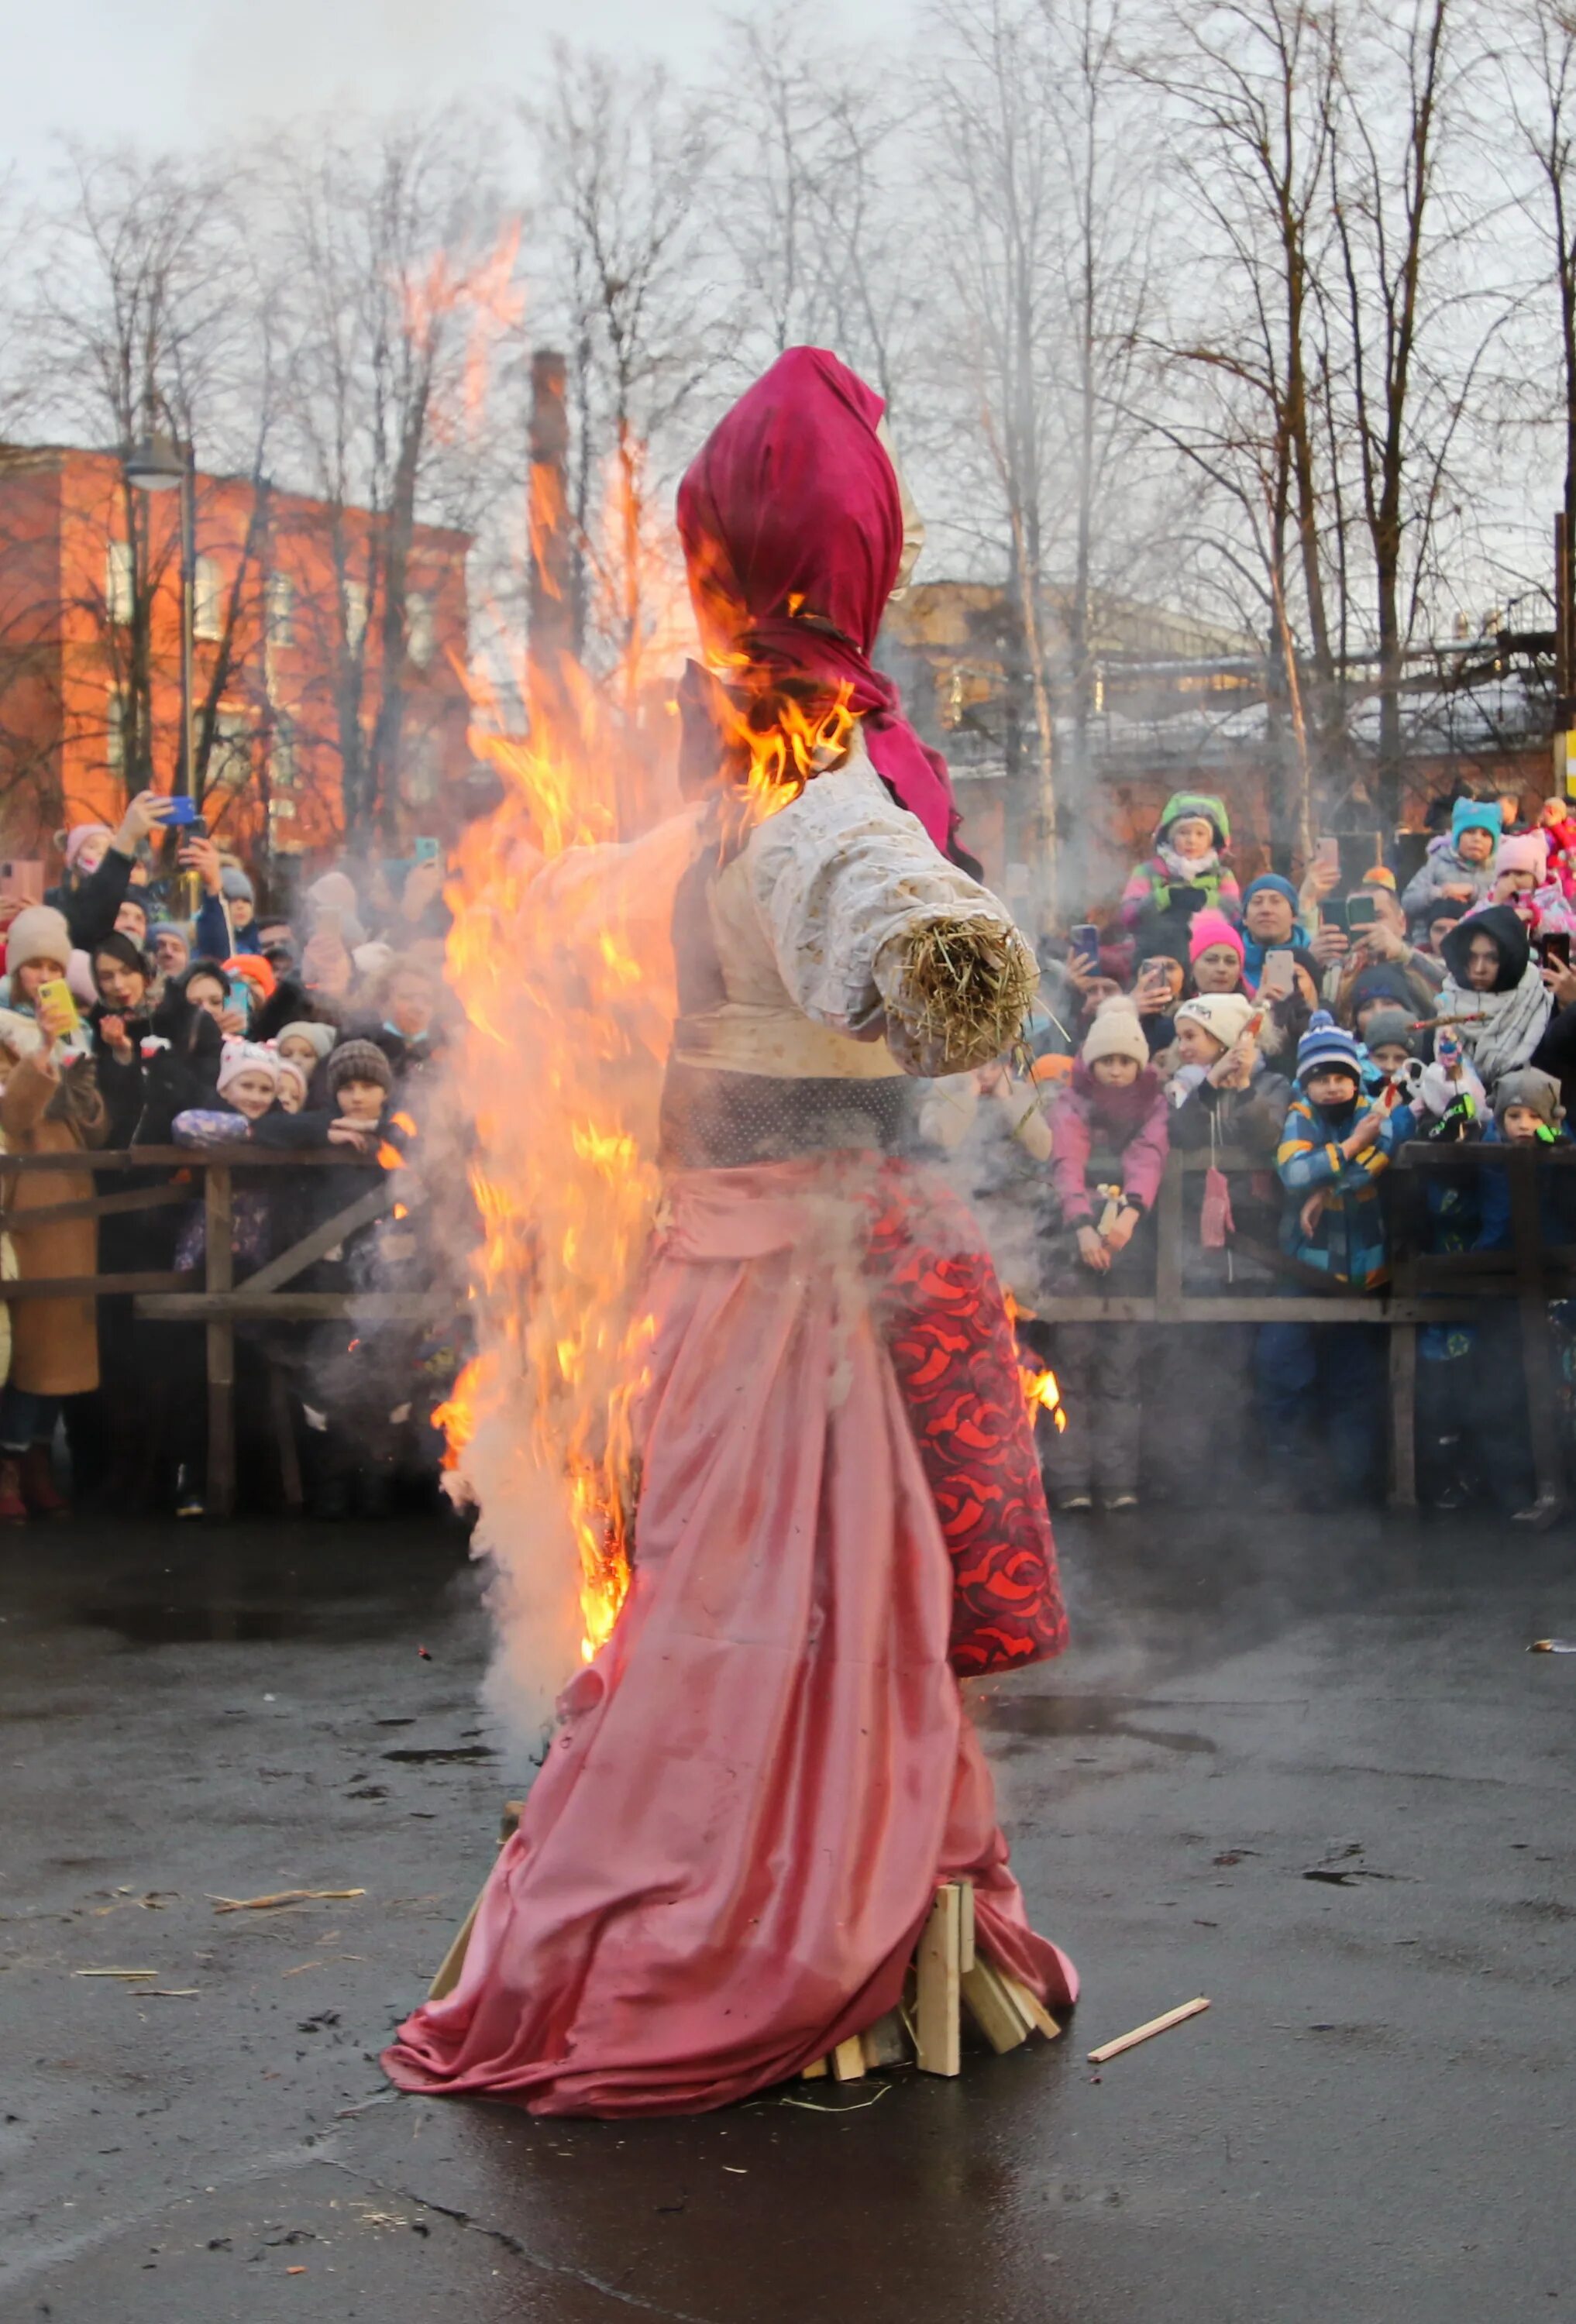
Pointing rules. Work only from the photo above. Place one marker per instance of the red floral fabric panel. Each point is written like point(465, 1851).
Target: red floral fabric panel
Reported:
point(956, 1359)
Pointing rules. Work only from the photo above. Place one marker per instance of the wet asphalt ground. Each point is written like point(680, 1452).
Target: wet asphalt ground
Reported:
point(1374, 2123)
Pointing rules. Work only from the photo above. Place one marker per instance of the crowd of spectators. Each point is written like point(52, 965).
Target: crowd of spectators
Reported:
point(148, 1002)
point(1313, 1026)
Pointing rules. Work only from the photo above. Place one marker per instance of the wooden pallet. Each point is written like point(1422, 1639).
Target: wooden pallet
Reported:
point(948, 1977)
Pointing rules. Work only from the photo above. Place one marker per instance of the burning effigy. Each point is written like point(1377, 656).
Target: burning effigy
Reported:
point(755, 1383)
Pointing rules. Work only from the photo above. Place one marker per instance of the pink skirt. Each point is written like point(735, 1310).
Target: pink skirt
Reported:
point(724, 1864)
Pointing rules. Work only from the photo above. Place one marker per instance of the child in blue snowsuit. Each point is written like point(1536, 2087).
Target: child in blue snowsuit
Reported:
point(1333, 1152)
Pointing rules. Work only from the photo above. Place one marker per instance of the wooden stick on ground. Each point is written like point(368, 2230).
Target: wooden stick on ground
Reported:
point(285, 1896)
point(1147, 2033)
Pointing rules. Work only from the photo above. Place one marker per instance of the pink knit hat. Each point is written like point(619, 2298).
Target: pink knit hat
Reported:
point(77, 837)
point(1524, 850)
point(1208, 927)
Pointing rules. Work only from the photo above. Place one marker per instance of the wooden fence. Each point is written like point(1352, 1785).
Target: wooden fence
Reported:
point(266, 1295)
point(1424, 1288)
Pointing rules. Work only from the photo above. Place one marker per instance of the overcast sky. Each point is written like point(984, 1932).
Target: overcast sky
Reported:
point(165, 70)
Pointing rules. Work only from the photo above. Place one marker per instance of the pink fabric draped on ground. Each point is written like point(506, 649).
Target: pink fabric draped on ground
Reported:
point(724, 1863)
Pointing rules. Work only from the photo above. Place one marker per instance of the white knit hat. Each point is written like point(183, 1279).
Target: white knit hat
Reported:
point(247, 1057)
point(1116, 1032)
point(1223, 1015)
point(37, 932)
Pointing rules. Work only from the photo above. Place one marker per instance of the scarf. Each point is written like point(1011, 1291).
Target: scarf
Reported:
point(1504, 1028)
point(1189, 874)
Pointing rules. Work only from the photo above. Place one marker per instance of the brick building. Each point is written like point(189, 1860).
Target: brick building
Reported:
point(291, 678)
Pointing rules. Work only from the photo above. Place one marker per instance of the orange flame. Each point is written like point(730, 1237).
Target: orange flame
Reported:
point(777, 742)
point(564, 977)
point(1040, 1391)
point(389, 1157)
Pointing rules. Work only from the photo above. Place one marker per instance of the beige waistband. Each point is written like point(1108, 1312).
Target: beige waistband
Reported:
point(738, 1039)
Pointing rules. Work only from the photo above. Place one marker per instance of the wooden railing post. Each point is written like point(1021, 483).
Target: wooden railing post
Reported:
point(219, 1219)
point(1543, 1410)
point(1168, 1244)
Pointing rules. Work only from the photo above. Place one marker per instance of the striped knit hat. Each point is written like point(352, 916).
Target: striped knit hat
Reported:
point(1324, 1043)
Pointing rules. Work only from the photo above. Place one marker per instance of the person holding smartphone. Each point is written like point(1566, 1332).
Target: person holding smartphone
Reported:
point(99, 864)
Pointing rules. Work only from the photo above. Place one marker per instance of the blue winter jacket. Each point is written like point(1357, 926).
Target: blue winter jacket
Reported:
point(1348, 1241)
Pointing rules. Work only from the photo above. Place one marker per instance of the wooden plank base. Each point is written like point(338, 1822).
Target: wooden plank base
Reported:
point(939, 1964)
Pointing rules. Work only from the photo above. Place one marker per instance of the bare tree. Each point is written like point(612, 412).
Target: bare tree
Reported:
point(1539, 82)
point(400, 259)
point(1255, 88)
point(811, 200)
point(141, 317)
point(1418, 321)
point(621, 156)
point(1107, 294)
point(996, 224)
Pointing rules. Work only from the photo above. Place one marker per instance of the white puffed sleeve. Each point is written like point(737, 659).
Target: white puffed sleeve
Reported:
point(840, 879)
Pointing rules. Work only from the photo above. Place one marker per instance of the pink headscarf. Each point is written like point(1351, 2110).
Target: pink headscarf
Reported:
point(792, 524)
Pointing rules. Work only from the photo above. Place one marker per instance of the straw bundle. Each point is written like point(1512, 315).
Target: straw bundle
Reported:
point(962, 991)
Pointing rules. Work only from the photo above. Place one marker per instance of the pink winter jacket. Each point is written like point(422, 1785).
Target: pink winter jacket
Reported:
point(1089, 1118)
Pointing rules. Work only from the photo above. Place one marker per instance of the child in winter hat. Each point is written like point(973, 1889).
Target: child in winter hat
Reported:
point(249, 1076)
point(359, 1077)
point(1113, 1103)
point(1192, 841)
point(1527, 1106)
point(1327, 1048)
point(1116, 1032)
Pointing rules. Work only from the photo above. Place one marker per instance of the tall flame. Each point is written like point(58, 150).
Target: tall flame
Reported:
point(558, 959)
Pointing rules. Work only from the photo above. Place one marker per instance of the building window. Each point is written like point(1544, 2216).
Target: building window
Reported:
point(116, 721)
point(356, 611)
point(229, 764)
point(282, 610)
point(423, 769)
point(420, 637)
point(282, 763)
point(120, 582)
point(208, 599)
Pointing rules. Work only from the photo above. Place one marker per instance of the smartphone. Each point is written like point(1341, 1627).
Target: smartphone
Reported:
point(181, 812)
point(1328, 850)
point(1556, 946)
point(187, 826)
point(1278, 982)
point(427, 850)
point(1332, 912)
point(59, 995)
point(23, 879)
point(1361, 912)
point(1085, 939)
point(1159, 969)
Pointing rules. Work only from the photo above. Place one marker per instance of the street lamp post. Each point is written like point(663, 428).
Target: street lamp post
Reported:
point(159, 464)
